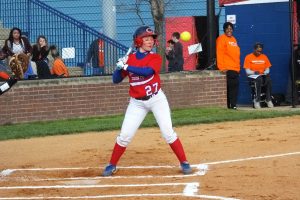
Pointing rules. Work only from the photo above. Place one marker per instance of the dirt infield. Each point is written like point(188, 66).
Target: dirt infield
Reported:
point(257, 159)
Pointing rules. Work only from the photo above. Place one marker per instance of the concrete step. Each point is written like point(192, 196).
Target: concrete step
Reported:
point(75, 71)
point(4, 33)
point(2, 43)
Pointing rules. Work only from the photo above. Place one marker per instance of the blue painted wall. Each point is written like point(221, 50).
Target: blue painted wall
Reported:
point(86, 11)
point(37, 20)
point(270, 24)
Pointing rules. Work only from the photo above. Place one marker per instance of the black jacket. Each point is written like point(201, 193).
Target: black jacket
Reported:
point(171, 59)
point(178, 57)
point(38, 55)
point(92, 54)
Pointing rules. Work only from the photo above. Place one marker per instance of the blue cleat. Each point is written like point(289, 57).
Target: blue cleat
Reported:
point(109, 170)
point(186, 168)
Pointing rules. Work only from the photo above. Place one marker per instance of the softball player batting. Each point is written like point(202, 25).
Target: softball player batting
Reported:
point(142, 68)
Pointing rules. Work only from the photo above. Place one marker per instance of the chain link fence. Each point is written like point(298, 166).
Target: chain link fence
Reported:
point(92, 35)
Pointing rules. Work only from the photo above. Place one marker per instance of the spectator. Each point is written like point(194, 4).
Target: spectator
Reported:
point(170, 55)
point(50, 58)
point(178, 52)
point(257, 66)
point(3, 66)
point(59, 68)
point(95, 55)
point(228, 62)
point(9, 82)
point(2, 54)
point(40, 52)
point(17, 44)
point(289, 92)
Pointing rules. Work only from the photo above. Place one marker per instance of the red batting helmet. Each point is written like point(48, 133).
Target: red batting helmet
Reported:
point(141, 32)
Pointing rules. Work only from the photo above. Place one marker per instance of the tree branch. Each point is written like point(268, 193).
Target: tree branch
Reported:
point(137, 6)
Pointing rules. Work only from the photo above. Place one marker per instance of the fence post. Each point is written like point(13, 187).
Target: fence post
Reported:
point(84, 42)
point(28, 18)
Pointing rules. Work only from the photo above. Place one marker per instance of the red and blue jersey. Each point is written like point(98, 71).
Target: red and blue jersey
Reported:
point(141, 86)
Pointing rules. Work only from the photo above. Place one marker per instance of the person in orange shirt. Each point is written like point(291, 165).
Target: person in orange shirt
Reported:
point(59, 68)
point(257, 66)
point(228, 61)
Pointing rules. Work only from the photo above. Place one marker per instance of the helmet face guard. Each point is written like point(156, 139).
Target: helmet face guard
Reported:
point(142, 32)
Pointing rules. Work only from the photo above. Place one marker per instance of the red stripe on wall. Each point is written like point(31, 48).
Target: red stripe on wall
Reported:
point(296, 24)
point(222, 2)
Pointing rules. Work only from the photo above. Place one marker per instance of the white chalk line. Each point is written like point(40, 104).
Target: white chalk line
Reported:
point(113, 177)
point(120, 196)
point(7, 172)
point(202, 169)
point(202, 166)
point(252, 158)
point(86, 168)
point(92, 186)
point(190, 190)
point(136, 195)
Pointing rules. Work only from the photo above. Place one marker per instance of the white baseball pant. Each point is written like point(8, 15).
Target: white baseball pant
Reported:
point(136, 113)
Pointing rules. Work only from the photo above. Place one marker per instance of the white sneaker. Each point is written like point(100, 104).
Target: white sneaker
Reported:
point(270, 104)
point(256, 105)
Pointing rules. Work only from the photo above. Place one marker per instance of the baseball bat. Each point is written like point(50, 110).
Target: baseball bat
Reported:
point(128, 51)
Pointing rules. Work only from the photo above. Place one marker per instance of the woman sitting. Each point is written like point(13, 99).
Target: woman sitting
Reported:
point(58, 68)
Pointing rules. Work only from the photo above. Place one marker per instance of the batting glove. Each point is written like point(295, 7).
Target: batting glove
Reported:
point(121, 65)
point(123, 59)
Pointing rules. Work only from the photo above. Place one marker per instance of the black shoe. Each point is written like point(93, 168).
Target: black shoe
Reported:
point(32, 77)
point(11, 81)
point(233, 107)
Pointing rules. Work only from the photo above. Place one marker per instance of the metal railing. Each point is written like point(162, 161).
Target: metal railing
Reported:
point(36, 18)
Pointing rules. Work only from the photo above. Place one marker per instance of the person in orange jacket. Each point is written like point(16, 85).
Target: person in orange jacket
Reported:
point(228, 62)
point(59, 68)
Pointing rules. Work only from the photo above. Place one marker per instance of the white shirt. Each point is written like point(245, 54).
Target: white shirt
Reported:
point(17, 48)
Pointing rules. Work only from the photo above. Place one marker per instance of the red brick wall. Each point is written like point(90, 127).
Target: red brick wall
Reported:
point(40, 100)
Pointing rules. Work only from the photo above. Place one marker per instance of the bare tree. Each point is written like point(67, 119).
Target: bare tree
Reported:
point(158, 14)
point(138, 10)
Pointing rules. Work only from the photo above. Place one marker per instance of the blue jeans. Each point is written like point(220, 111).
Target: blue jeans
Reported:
point(3, 67)
point(29, 72)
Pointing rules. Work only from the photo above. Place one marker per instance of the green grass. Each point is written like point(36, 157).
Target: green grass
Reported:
point(179, 117)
